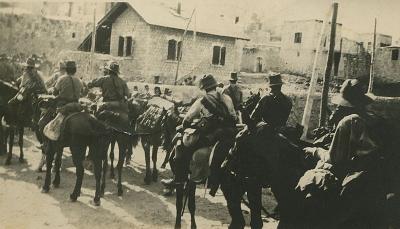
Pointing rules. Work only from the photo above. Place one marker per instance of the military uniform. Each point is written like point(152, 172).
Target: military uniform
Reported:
point(68, 89)
point(113, 88)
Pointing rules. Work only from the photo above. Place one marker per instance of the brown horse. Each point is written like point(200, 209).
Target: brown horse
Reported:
point(14, 119)
point(81, 130)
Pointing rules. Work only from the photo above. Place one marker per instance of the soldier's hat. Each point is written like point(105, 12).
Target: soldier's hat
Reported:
point(70, 64)
point(352, 94)
point(207, 82)
point(274, 79)
point(30, 62)
point(234, 76)
point(113, 66)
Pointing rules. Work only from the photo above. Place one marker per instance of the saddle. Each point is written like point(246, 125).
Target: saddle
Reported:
point(115, 114)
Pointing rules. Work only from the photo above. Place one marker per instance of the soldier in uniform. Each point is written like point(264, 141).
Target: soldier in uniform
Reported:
point(50, 83)
point(217, 110)
point(274, 108)
point(68, 88)
point(113, 88)
point(234, 91)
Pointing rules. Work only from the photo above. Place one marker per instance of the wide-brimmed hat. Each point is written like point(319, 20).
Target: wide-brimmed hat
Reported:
point(207, 82)
point(352, 94)
point(234, 76)
point(70, 64)
point(274, 79)
point(113, 66)
point(30, 62)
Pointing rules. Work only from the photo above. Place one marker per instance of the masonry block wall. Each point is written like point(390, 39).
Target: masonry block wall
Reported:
point(387, 70)
point(270, 59)
point(34, 34)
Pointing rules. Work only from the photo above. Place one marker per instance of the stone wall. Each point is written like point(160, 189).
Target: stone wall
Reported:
point(34, 34)
point(386, 70)
point(270, 59)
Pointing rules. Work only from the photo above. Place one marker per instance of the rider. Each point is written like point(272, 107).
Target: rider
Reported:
point(113, 88)
point(50, 83)
point(218, 117)
point(68, 88)
point(274, 108)
point(234, 91)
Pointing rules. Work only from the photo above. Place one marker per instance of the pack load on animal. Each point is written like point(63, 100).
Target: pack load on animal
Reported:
point(150, 121)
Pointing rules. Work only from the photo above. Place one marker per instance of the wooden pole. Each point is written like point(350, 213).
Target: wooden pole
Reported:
point(328, 69)
point(371, 68)
point(92, 73)
point(180, 50)
point(313, 82)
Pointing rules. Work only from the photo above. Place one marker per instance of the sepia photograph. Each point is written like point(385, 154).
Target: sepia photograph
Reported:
point(275, 114)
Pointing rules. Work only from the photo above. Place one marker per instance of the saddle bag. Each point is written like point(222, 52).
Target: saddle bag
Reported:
point(190, 137)
point(53, 129)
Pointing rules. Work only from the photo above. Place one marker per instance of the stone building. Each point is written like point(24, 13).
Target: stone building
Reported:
point(382, 40)
point(299, 43)
point(387, 65)
point(146, 39)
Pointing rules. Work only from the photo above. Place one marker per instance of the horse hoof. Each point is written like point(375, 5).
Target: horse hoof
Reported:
point(73, 197)
point(120, 192)
point(96, 202)
point(147, 180)
point(45, 190)
point(155, 176)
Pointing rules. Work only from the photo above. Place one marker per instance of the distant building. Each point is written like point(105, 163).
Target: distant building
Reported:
point(146, 38)
point(382, 40)
point(387, 65)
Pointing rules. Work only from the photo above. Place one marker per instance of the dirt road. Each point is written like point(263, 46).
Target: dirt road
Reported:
point(22, 205)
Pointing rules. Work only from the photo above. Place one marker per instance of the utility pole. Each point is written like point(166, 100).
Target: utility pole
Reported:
point(371, 68)
point(92, 76)
point(180, 50)
point(328, 69)
point(314, 77)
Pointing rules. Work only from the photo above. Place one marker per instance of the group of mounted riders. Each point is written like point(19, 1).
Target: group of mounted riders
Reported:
point(346, 179)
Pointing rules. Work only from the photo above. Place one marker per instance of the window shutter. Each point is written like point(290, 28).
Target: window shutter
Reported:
point(178, 51)
point(223, 52)
point(128, 51)
point(216, 52)
point(171, 50)
point(121, 46)
point(395, 54)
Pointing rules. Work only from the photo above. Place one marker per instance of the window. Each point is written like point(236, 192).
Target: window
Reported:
point(395, 54)
point(128, 48)
point(73, 35)
point(120, 46)
point(219, 54)
point(174, 50)
point(297, 38)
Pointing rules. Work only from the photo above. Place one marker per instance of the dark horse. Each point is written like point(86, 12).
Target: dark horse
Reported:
point(80, 131)
point(13, 118)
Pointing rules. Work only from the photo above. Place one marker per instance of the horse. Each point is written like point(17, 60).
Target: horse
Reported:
point(11, 114)
point(80, 131)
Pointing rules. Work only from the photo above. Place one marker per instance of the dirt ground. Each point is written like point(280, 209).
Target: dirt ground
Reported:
point(22, 205)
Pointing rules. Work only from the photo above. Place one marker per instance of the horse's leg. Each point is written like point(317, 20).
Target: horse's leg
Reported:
point(254, 196)
point(103, 178)
point(122, 147)
point(129, 153)
point(166, 159)
point(49, 163)
point(3, 147)
point(11, 132)
point(154, 159)
point(179, 205)
point(97, 174)
point(112, 147)
point(21, 143)
point(78, 155)
point(233, 192)
point(57, 167)
point(192, 203)
point(146, 149)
